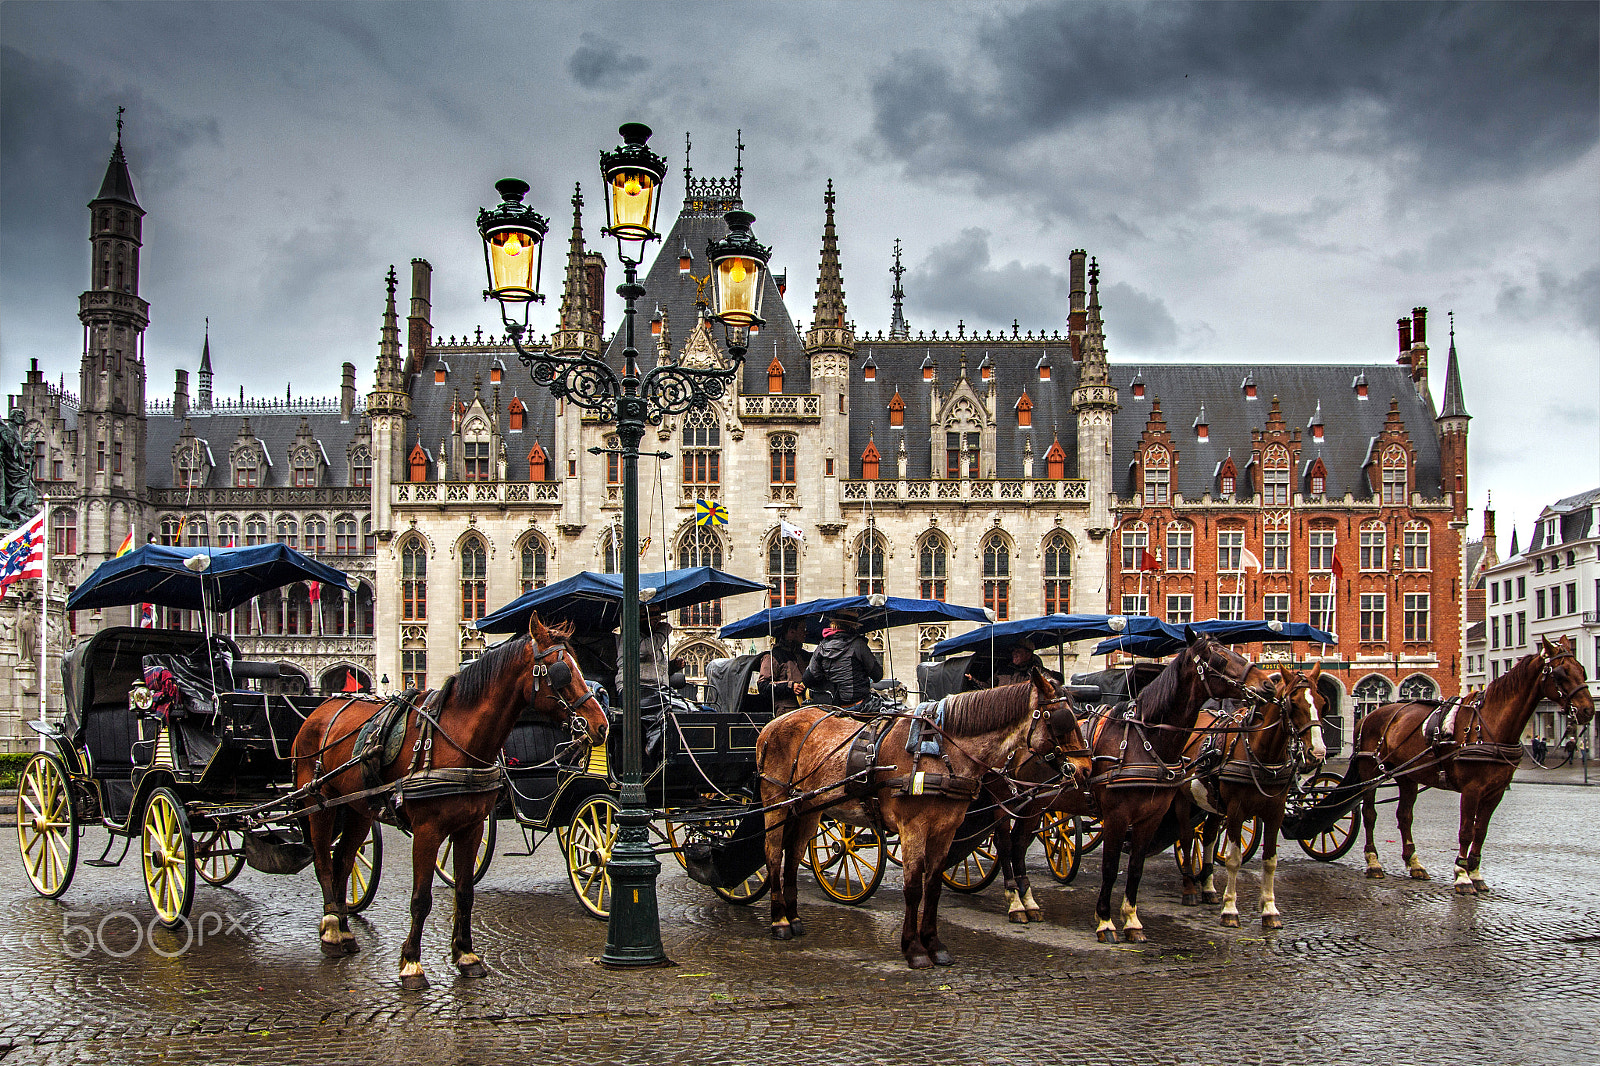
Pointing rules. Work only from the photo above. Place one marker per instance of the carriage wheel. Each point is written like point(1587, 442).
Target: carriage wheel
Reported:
point(1091, 832)
point(168, 858)
point(1249, 840)
point(218, 855)
point(1333, 842)
point(848, 860)
point(590, 837)
point(446, 867)
point(47, 825)
point(681, 835)
point(364, 872)
point(1062, 837)
point(892, 849)
point(974, 872)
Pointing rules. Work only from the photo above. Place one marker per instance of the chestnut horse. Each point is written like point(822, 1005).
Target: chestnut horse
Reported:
point(1253, 783)
point(1138, 762)
point(1477, 760)
point(446, 777)
point(804, 761)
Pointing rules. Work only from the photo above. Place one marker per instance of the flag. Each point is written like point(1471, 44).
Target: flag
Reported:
point(789, 531)
point(147, 616)
point(1148, 561)
point(22, 553)
point(126, 546)
point(177, 538)
point(350, 682)
point(710, 513)
point(1248, 560)
point(316, 591)
point(1338, 569)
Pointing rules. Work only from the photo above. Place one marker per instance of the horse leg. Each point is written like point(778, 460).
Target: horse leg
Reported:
point(464, 852)
point(1234, 858)
point(1113, 829)
point(801, 829)
point(1132, 928)
point(1269, 871)
point(913, 853)
point(1189, 861)
point(934, 853)
point(1408, 847)
point(1006, 830)
point(1208, 861)
point(1021, 839)
point(319, 834)
point(1369, 820)
point(353, 833)
point(425, 842)
point(1486, 808)
point(776, 844)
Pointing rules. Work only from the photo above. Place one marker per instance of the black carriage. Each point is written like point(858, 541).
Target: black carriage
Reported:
point(182, 763)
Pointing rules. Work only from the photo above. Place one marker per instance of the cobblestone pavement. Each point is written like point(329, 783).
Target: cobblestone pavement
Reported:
point(1391, 971)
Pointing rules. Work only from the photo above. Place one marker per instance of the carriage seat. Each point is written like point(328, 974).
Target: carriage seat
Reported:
point(200, 677)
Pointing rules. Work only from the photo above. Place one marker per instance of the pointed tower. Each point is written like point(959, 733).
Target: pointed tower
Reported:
point(1452, 423)
point(203, 403)
point(830, 343)
point(1095, 403)
point(111, 420)
point(389, 405)
point(899, 328)
point(579, 331)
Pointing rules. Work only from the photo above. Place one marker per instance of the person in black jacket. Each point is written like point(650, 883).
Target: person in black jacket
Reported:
point(843, 667)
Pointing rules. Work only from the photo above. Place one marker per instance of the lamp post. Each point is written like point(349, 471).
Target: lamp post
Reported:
point(513, 236)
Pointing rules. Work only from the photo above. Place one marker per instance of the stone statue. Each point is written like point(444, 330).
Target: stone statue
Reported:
point(19, 499)
point(27, 629)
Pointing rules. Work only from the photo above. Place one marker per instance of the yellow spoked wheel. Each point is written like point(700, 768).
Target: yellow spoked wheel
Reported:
point(218, 855)
point(47, 829)
point(364, 872)
point(974, 871)
point(1091, 833)
point(1249, 839)
point(446, 866)
point(848, 860)
point(167, 850)
point(590, 836)
point(1340, 837)
point(1062, 837)
point(680, 835)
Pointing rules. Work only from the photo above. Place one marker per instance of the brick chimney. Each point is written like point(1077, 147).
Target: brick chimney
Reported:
point(180, 395)
point(347, 392)
point(1404, 326)
point(419, 328)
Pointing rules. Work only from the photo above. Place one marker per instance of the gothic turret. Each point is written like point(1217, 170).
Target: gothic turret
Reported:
point(1095, 403)
point(899, 328)
point(1452, 424)
point(582, 293)
point(830, 343)
point(203, 402)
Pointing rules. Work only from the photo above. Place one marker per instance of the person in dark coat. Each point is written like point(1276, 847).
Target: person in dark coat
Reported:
point(843, 668)
point(1017, 667)
point(782, 675)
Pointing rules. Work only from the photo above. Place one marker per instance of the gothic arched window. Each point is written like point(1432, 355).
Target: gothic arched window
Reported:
point(344, 536)
point(1372, 692)
point(702, 454)
point(535, 559)
point(1157, 477)
point(869, 564)
point(997, 576)
point(933, 566)
point(414, 580)
point(610, 557)
point(1275, 477)
point(316, 534)
point(700, 546)
point(1394, 475)
point(1419, 687)
point(783, 571)
point(1058, 573)
point(474, 579)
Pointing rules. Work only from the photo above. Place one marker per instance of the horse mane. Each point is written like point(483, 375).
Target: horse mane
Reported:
point(475, 678)
point(1511, 682)
point(988, 709)
point(1159, 696)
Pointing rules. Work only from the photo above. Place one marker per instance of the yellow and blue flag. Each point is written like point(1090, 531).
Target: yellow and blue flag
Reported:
point(710, 513)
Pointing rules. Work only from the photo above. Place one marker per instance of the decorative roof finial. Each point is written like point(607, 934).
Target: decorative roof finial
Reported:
point(738, 165)
point(120, 111)
point(688, 171)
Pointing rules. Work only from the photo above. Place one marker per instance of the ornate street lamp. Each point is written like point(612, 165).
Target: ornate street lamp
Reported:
point(633, 175)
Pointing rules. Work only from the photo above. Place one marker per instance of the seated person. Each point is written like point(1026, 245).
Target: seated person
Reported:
point(843, 667)
point(782, 673)
point(1016, 668)
point(655, 672)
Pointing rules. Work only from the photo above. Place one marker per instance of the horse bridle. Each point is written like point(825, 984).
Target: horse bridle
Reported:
point(1057, 754)
point(546, 673)
point(1237, 668)
point(1563, 697)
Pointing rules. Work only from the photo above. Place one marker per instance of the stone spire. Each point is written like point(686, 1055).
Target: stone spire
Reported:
point(899, 328)
point(1455, 404)
point(389, 383)
point(828, 317)
point(204, 376)
point(1452, 428)
point(1095, 370)
point(1094, 401)
point(117, 185)
point(576, 331)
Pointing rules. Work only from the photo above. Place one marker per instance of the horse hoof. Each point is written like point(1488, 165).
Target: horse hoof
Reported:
point(796, 928)
point(1106, 936)
point(1191, 899)
point(1374, 873)
point(473, 969)
point(1481, 887)
point(1419, 874)
point(1018, 917)
point(1038, 915)
point(782, 932)
point(350, 945)
point(333, 949)
point(1464, 890)
point(942, 957)
point(919, 962)
point(1231, 921)
point(1134, 936)
point(1210, 897)
point(414, 983)
point(1271, 921)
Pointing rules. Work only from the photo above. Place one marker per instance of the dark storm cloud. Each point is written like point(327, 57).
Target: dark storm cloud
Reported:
point(1466, 92)
point(1550, 296)
point(597, 62)
point(1136, 322)
point(958, 282)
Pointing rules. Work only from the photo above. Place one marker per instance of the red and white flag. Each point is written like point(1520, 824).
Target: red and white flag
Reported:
point(22, 553)
point(147, 616)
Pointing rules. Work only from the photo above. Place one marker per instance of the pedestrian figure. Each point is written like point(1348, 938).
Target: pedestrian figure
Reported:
point(781, 678)
point(843, 666)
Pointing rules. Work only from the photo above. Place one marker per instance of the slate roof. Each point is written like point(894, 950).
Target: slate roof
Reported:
point(1351, 423)
point(430, 403)
point(275, 428)
point(1577, 519)
point(899, 365)
point(117, 184)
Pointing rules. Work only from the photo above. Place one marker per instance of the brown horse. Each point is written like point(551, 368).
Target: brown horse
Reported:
point(446, 777)
point(1138, 760)
point(1477, 760)
point(1253, 782)
point(805, 762)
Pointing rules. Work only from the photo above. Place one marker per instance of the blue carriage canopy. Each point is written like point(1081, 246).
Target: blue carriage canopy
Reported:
point(874, 612)
point(1154, 638)
point(593, 602)
point(173, 577)
point(1046, 632)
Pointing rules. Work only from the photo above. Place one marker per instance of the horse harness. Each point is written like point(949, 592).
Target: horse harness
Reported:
point(925, 739)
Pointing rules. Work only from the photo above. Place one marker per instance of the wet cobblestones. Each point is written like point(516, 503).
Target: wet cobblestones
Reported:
point(1393, 971)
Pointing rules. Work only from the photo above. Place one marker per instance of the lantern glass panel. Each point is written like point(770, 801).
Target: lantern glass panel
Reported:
point(513, 260)
point(632, 194)
point(739, 290)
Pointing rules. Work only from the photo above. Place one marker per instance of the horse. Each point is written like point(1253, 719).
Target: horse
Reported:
point(434, 767)
point(1253, 783)
point(1477, 759)
point(1138, 757)
point(807, 762)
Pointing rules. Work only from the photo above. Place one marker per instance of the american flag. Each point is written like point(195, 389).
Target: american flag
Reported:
point(22, 553)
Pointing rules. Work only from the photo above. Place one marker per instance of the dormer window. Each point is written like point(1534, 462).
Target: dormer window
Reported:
point(246, 472)
point(869, 372)
point(1275, 477)
point(475, 460)
point(869, 462)
point(538, 463)
point(304, 471)
point(1249, 386)
point(361, 468)
point(775, 376)
point(1394, 475)
point(418, 462)
point(1157, 477)
point(1024, 410)
point(516, 411)
point(897, 410)
point(1055, 461)
point(191, 475)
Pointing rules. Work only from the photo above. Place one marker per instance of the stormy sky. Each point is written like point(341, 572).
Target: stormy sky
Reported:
point(1259, 182)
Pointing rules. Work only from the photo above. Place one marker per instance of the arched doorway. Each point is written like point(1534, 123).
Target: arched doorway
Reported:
point(342, 677)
